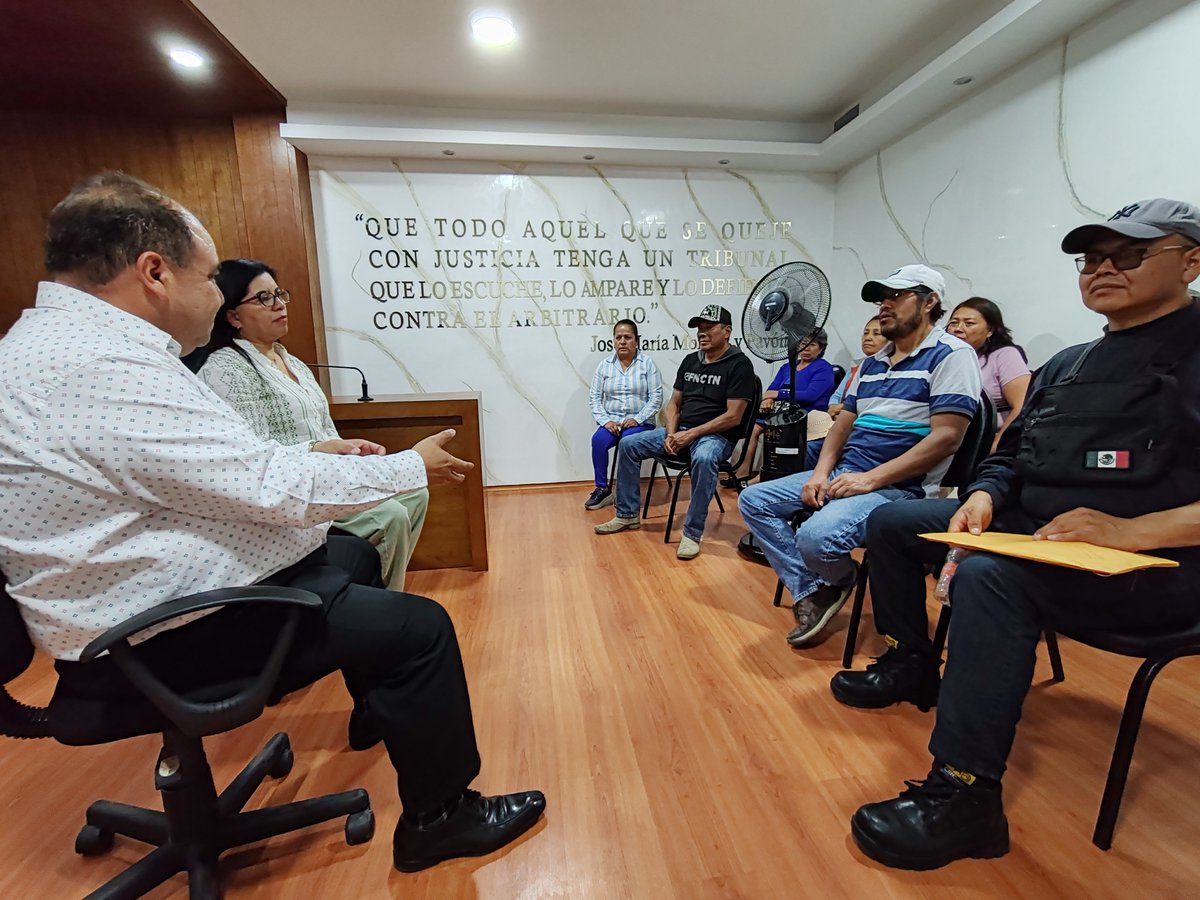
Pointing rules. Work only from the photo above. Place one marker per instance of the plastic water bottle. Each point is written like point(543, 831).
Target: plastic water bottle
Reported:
point(949, 567)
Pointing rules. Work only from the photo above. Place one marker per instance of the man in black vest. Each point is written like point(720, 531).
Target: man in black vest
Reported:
point(712, 388)
point(1107, 489)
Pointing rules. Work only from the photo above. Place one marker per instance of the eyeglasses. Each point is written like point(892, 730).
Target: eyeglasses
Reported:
point(1124, 259)
point(268, 298)
point(891, 295)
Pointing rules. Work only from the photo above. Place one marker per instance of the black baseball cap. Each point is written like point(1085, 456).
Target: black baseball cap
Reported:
point(711, 313)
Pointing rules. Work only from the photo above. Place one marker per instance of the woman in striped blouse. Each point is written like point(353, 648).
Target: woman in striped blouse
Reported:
point(625, 398)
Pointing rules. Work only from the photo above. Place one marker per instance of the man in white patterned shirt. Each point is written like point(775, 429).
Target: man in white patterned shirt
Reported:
point(127, 483)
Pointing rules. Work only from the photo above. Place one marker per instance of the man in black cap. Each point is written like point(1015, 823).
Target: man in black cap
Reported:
point(1106, 450)
point(712, 388)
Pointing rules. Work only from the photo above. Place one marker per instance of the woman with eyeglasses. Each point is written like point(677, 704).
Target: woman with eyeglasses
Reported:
point(1002, 364)
point(276, 393)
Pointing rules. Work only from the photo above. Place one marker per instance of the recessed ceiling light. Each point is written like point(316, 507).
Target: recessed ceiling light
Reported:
point(964, 79)
point(447, 153)
point(589, 157)
point(722, 162)
point(187, 58)
point(493, 29)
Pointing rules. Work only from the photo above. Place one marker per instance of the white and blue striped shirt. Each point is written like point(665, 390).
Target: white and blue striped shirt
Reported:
point(618, 393)
point(893, 404)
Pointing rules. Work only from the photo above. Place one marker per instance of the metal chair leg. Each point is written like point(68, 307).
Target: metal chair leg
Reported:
point(778, 593)
point(671, 514)
point(860, 592)
point(1056, 667)
point(650, 489)
point(1118, 769)
point(940, 632)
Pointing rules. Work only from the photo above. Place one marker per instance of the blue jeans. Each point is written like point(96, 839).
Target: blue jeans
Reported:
point(818, 553)
point(604, 440)
point(706, 454)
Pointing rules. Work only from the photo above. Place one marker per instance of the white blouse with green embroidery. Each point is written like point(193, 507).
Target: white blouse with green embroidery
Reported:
point(277, 408)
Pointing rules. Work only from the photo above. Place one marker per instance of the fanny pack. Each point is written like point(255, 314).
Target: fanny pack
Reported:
point(1106, 433)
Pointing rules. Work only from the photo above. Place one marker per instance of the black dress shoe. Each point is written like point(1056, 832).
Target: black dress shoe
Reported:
point(898, 676)
point(475, 826)
point(364, 731)
point(934, 822)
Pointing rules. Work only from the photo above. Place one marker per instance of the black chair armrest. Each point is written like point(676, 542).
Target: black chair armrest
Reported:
point(197, 719)
point(182, 606)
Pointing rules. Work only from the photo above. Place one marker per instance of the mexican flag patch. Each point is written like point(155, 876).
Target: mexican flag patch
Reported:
point(1107, 459)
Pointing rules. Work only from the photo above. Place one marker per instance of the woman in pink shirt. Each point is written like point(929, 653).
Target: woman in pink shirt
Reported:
point(1002, 364)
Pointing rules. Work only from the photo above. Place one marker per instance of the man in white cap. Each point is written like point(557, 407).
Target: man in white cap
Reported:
point(900, 424)
point(712, 389)
point(1106, 450)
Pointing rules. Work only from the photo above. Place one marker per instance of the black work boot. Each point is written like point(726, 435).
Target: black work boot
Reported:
point(950, 815)
point(897, 676)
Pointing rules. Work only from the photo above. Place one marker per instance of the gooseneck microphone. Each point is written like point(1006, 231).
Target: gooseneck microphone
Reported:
point(365, 396)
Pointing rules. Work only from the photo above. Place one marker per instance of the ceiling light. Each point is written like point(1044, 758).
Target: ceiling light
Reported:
point(447, 153)
point(964, 79)
point(722, 162)
point(589, 157)
point(187, 58)
point(493, 29)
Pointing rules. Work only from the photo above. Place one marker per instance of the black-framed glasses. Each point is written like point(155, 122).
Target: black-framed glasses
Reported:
point(268, 298)
point(1124, 258)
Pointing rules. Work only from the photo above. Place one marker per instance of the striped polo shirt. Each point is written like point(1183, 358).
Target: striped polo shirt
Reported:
point(893, 404)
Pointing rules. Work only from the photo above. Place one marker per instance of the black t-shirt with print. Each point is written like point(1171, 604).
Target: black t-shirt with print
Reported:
point(707, 386)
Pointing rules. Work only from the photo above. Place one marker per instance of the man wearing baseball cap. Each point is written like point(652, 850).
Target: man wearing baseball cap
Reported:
point(899, 426)
point(1105, 450)
point(712, 389)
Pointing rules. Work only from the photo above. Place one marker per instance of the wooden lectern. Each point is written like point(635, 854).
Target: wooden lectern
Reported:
point(455, 532)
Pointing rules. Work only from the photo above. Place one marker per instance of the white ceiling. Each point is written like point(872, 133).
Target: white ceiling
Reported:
point(632, 81)
point(769, 60)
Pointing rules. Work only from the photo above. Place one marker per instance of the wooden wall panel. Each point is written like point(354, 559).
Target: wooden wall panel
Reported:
point(248, 186)
point(276, 224)
point(42, 156)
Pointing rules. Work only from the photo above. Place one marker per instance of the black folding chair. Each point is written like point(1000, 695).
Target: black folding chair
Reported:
point(975, 447)
point(1155, 651)
point(682, 464)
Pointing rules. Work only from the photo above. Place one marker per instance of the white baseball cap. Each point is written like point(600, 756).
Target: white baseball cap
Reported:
point(916, 275)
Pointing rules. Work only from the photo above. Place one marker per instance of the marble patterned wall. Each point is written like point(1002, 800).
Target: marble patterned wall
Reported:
point(506, 279)
point(986, 191)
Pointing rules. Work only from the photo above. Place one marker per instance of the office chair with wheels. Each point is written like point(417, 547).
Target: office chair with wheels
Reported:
point(682, 464)
point(197, 824)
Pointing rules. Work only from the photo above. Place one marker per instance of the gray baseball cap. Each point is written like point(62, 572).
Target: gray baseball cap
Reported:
point(1144, 220)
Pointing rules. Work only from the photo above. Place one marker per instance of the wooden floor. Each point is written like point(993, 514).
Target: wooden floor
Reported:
point(685, 750)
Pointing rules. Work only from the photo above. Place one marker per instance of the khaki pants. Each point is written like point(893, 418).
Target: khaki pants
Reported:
point(393, 527)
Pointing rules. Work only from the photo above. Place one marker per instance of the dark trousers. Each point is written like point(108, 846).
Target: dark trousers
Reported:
point(397, 651)
point(1000, 607)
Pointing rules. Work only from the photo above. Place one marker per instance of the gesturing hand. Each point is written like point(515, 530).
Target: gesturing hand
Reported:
point(975, 515)
point(439, 464)
point(349, 447)
point(1094, 527)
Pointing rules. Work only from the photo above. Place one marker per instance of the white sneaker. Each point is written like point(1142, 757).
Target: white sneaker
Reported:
point(688, 549)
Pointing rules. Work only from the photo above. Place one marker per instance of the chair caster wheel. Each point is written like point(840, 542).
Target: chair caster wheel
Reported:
point(92, 841)
point(282, 764)
point(360, 827)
